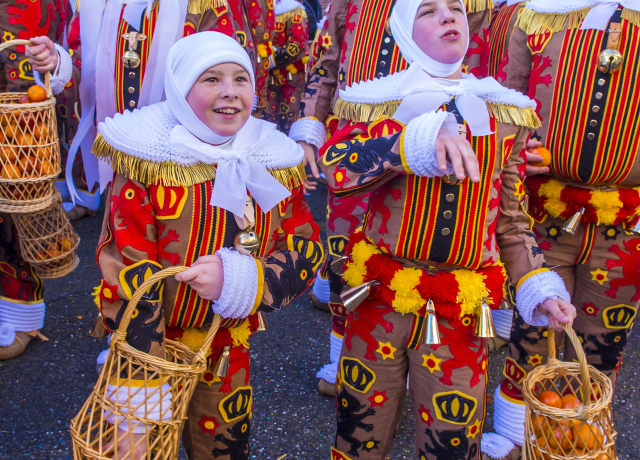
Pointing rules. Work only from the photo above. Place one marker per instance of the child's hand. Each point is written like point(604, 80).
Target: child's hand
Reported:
point(206, 276)
point(559, 312)
point(42, 54)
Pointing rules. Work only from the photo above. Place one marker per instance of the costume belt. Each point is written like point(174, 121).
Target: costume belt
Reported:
point(610, 206)
point(406, 289)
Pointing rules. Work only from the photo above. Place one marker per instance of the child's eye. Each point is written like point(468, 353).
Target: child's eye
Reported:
point(241, 79)
point(425, 12)
point(212, 79)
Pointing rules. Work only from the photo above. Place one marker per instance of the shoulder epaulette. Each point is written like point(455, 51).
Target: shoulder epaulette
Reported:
point(533, 23)
point(171, 174)
point(511, 114)
point(284, 17)
point(476, 6)
point(193, 7)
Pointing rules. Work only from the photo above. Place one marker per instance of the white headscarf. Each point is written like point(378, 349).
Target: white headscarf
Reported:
point(237, 169)
point(421, 92)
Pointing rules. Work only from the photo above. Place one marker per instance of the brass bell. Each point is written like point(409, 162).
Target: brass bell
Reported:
point(98, 330)
point(484, 322)
point(262, 322)
point(289, 76)
point(221, 367)
point(504, 305)
point(272, 81)
point(452, 179)
point(338, 264)
point(610, 61)
point(636, 227)
point(131, 59)
point(430, 331)
point(572, 224)
point(247, 242)
point(258, 59)
point(355, 296)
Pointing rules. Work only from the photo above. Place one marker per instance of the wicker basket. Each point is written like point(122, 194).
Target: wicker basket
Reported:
point(29, 150)
point(48, 241)
point(131, 370)
point(582, 433)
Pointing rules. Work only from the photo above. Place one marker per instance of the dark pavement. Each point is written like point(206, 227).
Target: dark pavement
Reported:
point(41, 390)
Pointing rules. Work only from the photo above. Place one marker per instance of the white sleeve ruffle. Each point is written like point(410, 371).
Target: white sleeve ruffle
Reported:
point(308, 130)
point(535, 290)
point(240, 286)
point(419, 144)
point(61, 75)
point(152, 402)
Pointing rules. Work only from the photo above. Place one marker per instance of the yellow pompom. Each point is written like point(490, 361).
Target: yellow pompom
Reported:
point(471, 290)
point(194, 338)
point(407, 298)
point(362, 252)
point(240, 334)
point(551, 189)
point(555, 208)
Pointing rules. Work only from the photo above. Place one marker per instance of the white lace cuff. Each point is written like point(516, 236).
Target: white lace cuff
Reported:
point(418, 144)
point(19, 317)
point(535, 288)
point(495, 446)
point(151, 402)
point(61, 75)
point(308, 130)
point(240, 286)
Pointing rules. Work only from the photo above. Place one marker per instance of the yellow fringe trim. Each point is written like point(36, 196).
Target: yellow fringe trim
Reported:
point(632, 16)
point(193, 7)
point(284, 17)
point(173, 175)
point(366, 113)
point(240, 334)
point(475, 6)
point(534, 23)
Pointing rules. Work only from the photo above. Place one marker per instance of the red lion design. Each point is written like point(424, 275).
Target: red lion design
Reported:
point(630, 263)
point(363, 321)
point(376, 204)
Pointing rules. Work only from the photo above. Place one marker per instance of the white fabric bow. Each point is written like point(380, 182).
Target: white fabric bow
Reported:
point(423, 93)
point(237, 171)
point(599, 16)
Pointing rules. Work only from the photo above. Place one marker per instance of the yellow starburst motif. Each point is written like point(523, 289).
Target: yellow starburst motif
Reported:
point(600, 276)
point(431, 362)
point(474, 429)
point(535, 360)
point(326, 40)
point(386, 350)
point(6, 36)
point(519, 190)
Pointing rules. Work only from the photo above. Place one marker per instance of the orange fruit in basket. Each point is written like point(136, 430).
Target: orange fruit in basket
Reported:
point(10, 153)
point(543, 444)
point(11, 130)
point(67, 244)
point(538, 422)
point(585, 435)
point(550, 398)
point(570, 402)
point(27, 119)
point(24, 139)
point(11, 171)
point(43, 152)
point(559, 436)
point(37, 94)
point(41, 255)
point(27, 164)
point(544, 153)
point(46, 168)
point(40, 131)
point(24, 100)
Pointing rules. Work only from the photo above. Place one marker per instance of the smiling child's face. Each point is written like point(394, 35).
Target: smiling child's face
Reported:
point(222, 98)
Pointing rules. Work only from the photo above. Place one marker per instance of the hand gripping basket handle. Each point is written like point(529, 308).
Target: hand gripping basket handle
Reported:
point(121, 334)
point(582, 359)
point(47, 76)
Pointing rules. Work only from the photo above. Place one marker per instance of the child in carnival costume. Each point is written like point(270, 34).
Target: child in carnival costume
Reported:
point(444, 228)
point(189, 174)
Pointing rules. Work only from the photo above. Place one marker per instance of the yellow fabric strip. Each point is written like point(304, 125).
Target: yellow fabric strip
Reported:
point(534, 23)
point(260, 292)
point(137, 383)
point(405, 165)
point(510, 399)
point(529, 275)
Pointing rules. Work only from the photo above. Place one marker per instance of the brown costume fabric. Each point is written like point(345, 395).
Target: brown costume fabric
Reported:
point(287, 78)
point(396, 215)
point(597, 262)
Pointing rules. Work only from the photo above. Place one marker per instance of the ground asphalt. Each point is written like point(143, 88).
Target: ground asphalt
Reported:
point(41, 390)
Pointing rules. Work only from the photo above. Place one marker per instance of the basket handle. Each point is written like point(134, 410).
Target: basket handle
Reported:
point(582, 359)
point(16, 42)
point(121, 334)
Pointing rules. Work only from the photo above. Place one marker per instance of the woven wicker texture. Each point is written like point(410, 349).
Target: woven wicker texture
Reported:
point(29, 150)
point(142, 383)
point(584, 432)
point(47, 240)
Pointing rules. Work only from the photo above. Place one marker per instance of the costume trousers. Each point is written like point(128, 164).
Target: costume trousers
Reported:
point(219, 414)
point(446, 383)
point(600, 266)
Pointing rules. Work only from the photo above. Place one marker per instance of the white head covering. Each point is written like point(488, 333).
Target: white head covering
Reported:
point(237, 169)
point(402, 20)
point(421, 92)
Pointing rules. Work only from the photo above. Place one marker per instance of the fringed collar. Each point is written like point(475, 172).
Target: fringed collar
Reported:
point(137, 144)
point(193, 7)
point(475, 6)
point(370, 100)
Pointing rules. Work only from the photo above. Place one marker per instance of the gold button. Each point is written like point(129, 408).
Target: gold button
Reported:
point(131, 89)
point(447, 214)
point(445, 231)
point(595, 108)
point(601, 82)
point(132, 75)
point(593, 123)
point(383, 64)
point(450, 197)
point(591, 136)
point(132, 103)
point(598, 95)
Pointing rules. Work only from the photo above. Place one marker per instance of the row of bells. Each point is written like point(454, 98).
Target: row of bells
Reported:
point(572, 225)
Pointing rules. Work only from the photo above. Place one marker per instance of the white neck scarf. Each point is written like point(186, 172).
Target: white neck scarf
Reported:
point(238, 170)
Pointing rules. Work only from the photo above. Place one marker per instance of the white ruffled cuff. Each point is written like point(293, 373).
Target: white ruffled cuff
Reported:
point(508, 418)
point(502, 319)
point(534, 290)
point(321, 289)
point(19, 317)
point(496, 446)
point(151, 402)
point(308, 130)
point(61, 75)
point(418, 150)
point(240, 286)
